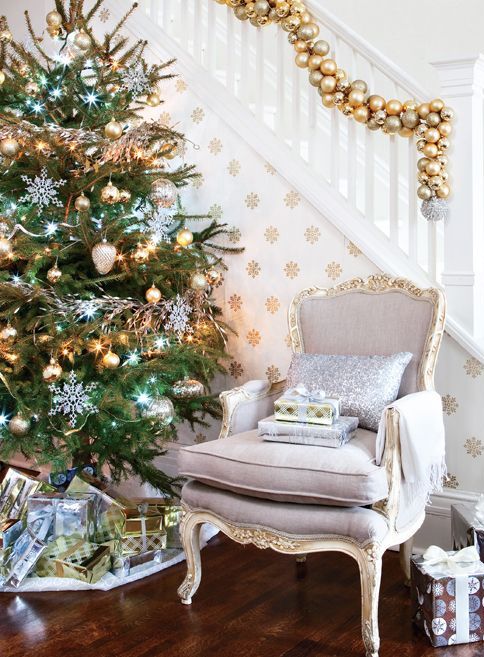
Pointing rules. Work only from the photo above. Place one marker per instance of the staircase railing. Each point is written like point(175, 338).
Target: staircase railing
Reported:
point(375, 174)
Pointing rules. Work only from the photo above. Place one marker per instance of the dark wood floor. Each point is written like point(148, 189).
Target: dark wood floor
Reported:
point(251, 603)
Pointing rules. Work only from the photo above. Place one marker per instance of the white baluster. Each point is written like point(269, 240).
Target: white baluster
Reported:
point(295, 131)
point(167, 18)
point(210, 37)
point(229, 49)
point(394, 189)
point(280, 84)
point(432, 249)
point(245, 64)
point(335, 133)
point(197, 33)
point(259, 100)
point(413, 214)
point(352, 142)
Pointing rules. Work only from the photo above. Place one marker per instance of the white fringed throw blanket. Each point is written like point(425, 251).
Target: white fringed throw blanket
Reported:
point(422, 441)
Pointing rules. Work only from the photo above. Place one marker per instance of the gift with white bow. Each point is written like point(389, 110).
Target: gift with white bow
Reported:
point(447, 591)
point(299, 404)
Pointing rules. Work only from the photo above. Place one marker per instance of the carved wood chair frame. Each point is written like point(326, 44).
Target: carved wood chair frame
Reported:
point(369, 555)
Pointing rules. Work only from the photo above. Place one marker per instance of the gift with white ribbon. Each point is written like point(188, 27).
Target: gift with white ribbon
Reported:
point(303, 398)
point(460, 566)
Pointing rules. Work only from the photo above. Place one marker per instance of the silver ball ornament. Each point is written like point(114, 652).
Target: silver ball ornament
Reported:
point(163, 193)
point(161, 409)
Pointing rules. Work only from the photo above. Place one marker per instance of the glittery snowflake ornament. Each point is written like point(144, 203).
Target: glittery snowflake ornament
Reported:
point(72, 399)
point(178, 312)
point(158, 225)
point(136, 81)
point(42, 190)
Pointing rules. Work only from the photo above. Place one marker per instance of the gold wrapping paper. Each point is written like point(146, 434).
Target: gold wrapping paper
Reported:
point(71, 557)
point(290, 410)
point(171, 513)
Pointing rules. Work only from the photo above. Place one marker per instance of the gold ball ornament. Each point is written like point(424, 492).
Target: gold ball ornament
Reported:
point(261, 7)
point(422, 163)
point(433, 168)
point(113, 130)
point(82, 41)
point(241, 13)
point(184, 237)
point(103, 256)
point(380, 116)
point(82, 203)
point(110, 194)
point(315, 78)
point(447, 114)
point(445, 128)
point(410, 118)
point(53, 19)
point(160, 408)
point(163, 193)
point(443, 191)
point(5, 247)
point(315, 61)
point(52, 371)
point(423, 110)
point(405, 132)
point(302, 59)
point(410, 105)
point(328, 67)
point(433, 119)
point(18, 425)
point(443, 144)
point(376, 103)
point(392, 125)
point(338, 98)
point(9, 147)
point(360, 85)
point(153, 99)
point(141, 254)
point(321, 47)
point(54, 274)
point(31, 88)
point(424, 192)
point(372, 124)
point(328, 84)
point(436, 105)
point(432, 135)
point(328, 100)
point(301, 46)
point(356, 97)
point(187, 388)
point(198, 281)
point(435, 182)
point(308, 31)
point(430, 150)
point(394, 107)
point(2, 77)
point(110, 360)
point(421, 129)
point(153, 294)
point(361, 114)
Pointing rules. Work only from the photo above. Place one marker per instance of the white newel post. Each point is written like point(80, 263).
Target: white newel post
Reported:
point(462, 85)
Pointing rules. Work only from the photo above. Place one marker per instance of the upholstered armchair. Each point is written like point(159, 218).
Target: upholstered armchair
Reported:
point(297, 499)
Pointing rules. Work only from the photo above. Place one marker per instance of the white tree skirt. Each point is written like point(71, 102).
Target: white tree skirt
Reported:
point(108, 581)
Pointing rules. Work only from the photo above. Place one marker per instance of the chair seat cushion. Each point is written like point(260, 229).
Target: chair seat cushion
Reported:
point(303, 474)
point(296, 520)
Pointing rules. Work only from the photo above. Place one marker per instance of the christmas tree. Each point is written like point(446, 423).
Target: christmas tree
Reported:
point(109, 334)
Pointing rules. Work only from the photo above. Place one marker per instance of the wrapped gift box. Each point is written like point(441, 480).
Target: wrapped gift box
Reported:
point(298, 405)
point(121, 565)
point(71, 515)
point(21, 558)
point(171, 514)
point(69, 556)
point(464, 530)
point(336, 435)
point(15, 487)
point(110, 506)
point(447, 598)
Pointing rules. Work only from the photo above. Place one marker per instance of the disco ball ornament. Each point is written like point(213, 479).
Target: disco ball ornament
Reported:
point(188, 388)
point(160, 409)
point(18, 425)
point(163, 193)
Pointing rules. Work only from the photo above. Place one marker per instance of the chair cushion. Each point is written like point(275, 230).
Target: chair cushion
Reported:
point(297, 520)
point(304, 474)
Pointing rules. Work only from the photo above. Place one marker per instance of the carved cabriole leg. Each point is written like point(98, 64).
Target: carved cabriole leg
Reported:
point(301, 558)
point(370, 563)
point(190, 536)
point(405, 555)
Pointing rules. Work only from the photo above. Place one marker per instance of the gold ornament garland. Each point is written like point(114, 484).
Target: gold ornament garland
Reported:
point(430, 122)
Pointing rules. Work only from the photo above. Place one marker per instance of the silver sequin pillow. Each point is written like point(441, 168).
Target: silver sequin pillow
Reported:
point(365, 384)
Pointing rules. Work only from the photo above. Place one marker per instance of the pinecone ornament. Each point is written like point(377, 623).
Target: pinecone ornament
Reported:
point(103, 255)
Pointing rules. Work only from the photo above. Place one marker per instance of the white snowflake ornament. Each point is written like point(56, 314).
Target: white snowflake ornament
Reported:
point(72, 399)
point(42, 190)
point(158, 225)
point(178, 312)
point(135, 81)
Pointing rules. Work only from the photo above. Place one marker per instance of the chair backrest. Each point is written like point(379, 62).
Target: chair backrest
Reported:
point(380, 315)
